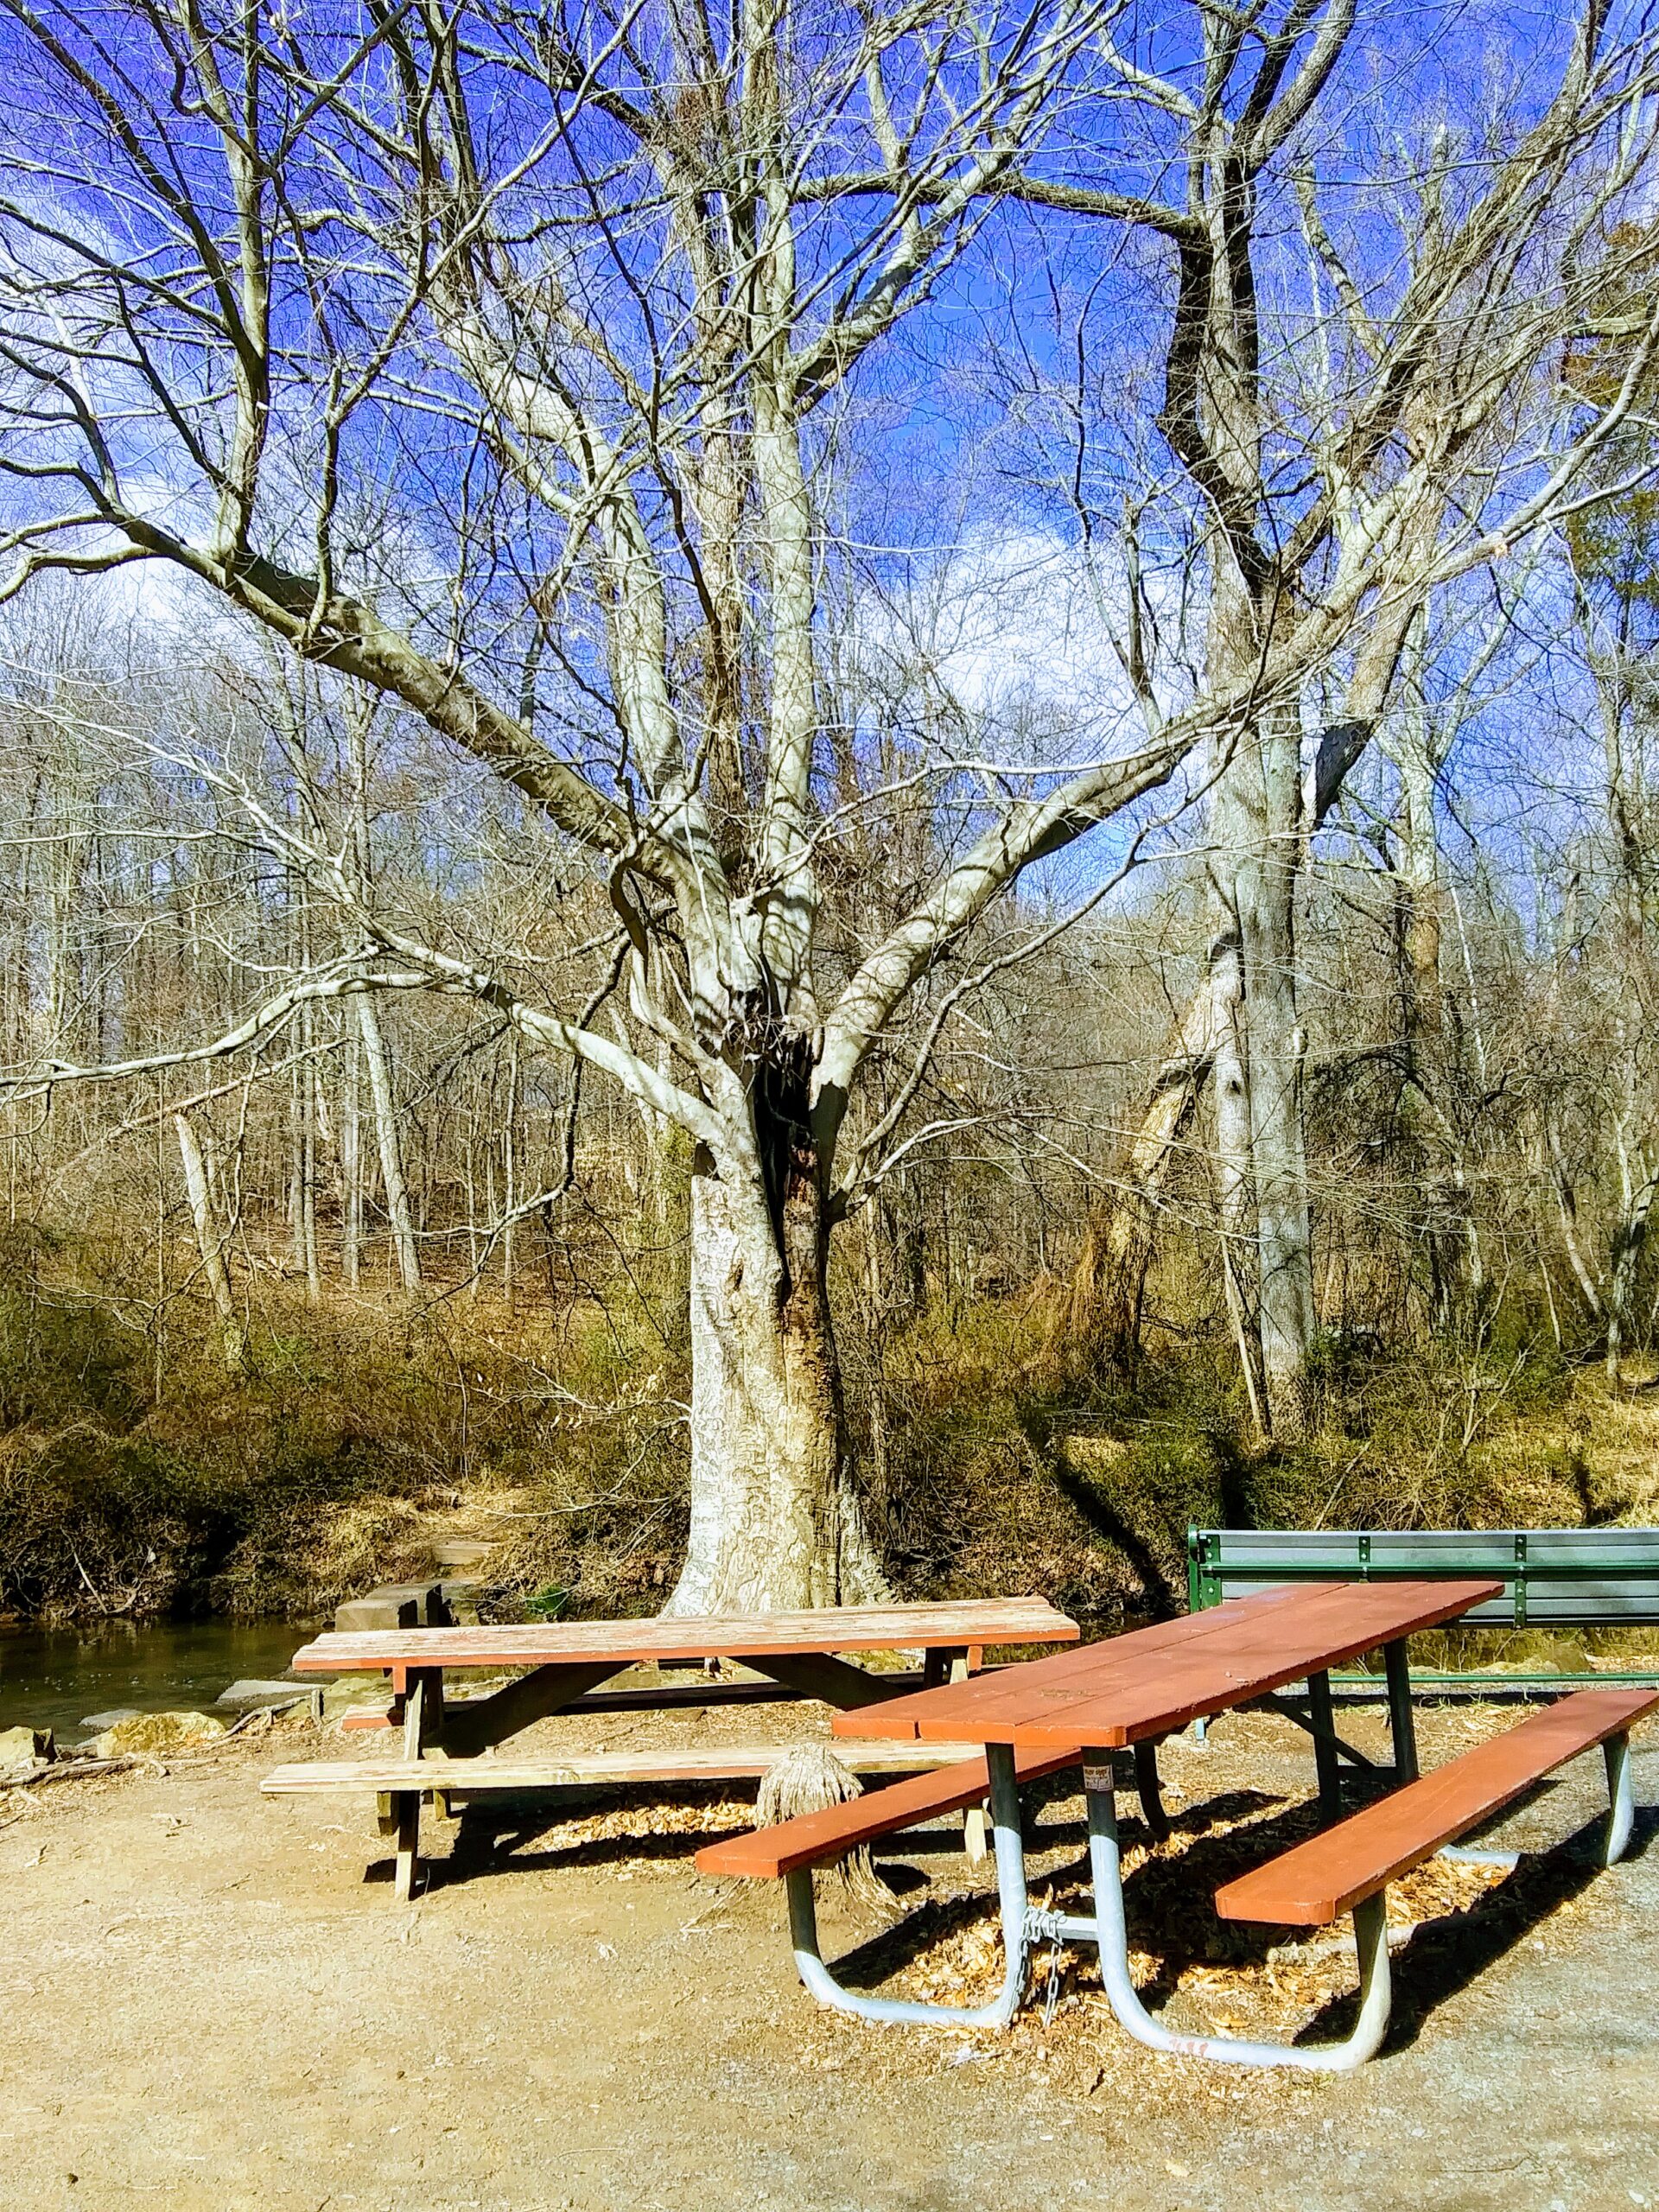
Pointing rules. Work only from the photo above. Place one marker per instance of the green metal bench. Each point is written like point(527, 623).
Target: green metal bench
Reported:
point(1553, 1578)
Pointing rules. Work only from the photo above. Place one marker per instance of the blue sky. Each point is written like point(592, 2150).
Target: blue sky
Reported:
point(1037, 349)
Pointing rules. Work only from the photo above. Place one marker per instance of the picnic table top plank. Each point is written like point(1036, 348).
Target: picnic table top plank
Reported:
point(1336, 1624)
point(1319, 1880)
point(692, 1637)
point(1147, 1683)
point(1010, 1690)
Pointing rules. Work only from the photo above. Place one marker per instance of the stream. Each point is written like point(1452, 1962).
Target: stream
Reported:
point(55, 1678)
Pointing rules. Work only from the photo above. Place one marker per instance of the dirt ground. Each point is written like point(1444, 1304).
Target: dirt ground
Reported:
point(210, 2000)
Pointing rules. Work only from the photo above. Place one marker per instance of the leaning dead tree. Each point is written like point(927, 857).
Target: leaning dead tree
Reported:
point(489, 364)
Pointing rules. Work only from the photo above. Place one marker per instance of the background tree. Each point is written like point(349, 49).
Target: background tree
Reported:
point(1349, 435)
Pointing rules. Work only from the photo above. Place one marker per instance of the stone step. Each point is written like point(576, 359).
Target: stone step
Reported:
point(250, 1693)
point(445, 1603)
point(459, 1552)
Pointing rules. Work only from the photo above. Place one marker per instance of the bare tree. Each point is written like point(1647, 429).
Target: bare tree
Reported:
point(1350, 435)
point(494, 364)
point(552, 307)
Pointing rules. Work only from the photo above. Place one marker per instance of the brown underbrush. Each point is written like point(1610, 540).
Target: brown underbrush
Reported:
point(137, 1478)
point(1006, 1473)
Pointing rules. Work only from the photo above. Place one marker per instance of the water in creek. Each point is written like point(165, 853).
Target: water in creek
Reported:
point(54, 1678)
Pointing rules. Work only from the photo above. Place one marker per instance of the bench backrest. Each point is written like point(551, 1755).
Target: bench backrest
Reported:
point(1563, 1577)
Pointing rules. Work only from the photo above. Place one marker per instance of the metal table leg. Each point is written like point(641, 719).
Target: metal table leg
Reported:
point(1326, 1762)
point(1106, 1928)
point(1402, 1720)
point(1621, 1800)
point(1011, 1893)
point(1146, 1788)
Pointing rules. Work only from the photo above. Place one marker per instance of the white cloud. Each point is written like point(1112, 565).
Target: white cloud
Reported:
point(1015, 628)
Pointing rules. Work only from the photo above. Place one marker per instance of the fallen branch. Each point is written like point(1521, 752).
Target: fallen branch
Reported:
point(65, 1771)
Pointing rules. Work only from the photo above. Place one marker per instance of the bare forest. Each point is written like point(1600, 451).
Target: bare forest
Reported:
point(820, 798)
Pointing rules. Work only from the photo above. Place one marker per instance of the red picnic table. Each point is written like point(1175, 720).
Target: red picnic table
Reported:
point(1123, 1695)
point(1128, 1693)
point(559, 1664)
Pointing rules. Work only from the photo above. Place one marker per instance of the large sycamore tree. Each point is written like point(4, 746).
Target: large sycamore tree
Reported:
point(477, 353)
point(492, 360)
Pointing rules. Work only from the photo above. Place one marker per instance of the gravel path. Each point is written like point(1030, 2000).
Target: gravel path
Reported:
point(206, 2004)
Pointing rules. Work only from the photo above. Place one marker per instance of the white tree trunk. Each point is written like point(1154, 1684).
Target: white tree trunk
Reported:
point(1232, 1166)
point(351, 1172)
point(199, 1187)
point(391, 1151)
point(1260, 1154)
point(775, 1523)
point(1278, 1053)
point(1627, 1259)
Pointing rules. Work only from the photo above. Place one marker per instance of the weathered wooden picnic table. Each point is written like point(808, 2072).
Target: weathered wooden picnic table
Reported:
point(1123, 1695)
point(801, 1654)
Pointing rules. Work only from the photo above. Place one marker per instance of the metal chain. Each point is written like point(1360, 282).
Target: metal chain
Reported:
point(1051, 1993)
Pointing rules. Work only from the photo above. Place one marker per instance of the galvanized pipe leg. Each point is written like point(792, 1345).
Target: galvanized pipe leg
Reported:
point(1011, 1894)
point(1146, 1783)
point(1621, 1798)
point(1370, 1939)
point(1326, 1761)
point(1402, 1720)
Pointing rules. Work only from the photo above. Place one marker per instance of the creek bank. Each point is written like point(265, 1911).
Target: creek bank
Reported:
point(154, 1733)
point(84, 1684)
point(23, 1747)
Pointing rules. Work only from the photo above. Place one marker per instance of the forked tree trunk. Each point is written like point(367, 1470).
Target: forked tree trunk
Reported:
point(1108, 1288)
point(775, 1521)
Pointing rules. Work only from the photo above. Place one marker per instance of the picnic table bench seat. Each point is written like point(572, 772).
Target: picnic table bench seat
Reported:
point(1333, 1873)
point(498, 1772)
point(399, 1785)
